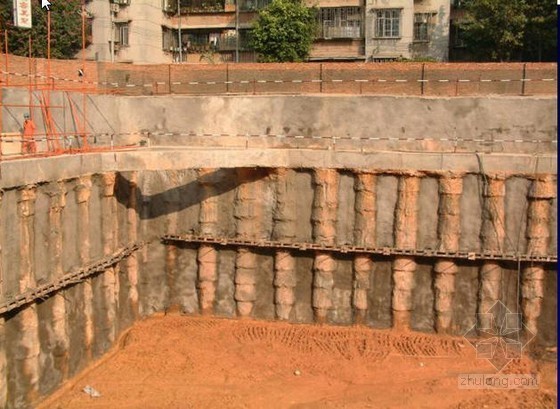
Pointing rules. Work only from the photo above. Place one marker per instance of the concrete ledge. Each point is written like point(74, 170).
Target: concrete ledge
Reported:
point(31, 171)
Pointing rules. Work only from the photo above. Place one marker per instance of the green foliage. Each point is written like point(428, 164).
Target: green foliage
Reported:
point(540, 42)
point(284, 31)
point(498, 30)
point(66, 30)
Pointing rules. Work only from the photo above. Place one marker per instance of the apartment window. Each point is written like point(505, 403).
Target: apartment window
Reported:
point(422, 26)
point(169, 6)
point(388, 23)
point(340, 22)
point(169, 38)
point(122, 34)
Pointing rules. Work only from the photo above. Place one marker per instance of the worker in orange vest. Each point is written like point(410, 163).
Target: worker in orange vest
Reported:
point(29, 145)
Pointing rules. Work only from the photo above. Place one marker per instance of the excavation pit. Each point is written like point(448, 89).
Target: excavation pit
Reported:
point(408, 237)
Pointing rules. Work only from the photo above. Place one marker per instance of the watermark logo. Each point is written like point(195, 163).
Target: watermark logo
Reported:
point(498, 381)
point(503, 335)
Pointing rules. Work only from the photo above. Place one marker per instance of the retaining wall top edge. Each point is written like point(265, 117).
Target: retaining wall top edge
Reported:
point(23, 172)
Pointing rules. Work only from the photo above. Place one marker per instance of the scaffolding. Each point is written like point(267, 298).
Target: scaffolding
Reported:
point(54, 140)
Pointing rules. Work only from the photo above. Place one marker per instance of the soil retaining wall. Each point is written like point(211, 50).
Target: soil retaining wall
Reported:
point(91, 243)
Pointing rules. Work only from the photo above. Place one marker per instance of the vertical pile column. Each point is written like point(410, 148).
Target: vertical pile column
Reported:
point(364, 236)
point(61, 341)
point(207, 255)
point(83, 194)
point(247, 218)
point(109, 279)
point(448, 233)
point(325, 204)
point(406, 223)
point(538, 235)
point(284, 230)
point(27, 355)
point(3, 367)
point(492, 235)
point(132, 259)
point(172, 216)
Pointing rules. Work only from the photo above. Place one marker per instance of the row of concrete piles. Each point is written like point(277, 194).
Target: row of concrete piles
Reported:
point(28, 325)
point(112, 296)
point(325, 202)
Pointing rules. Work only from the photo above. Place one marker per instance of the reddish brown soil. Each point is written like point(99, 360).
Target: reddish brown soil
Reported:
point(182, 362)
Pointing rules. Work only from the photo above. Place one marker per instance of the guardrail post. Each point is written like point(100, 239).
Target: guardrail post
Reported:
point(321, 77)
point(169, 77)
point(523, 78)
point(227, 78)
point(422, 79)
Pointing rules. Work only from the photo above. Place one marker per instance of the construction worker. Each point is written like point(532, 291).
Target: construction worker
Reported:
point(29, 145)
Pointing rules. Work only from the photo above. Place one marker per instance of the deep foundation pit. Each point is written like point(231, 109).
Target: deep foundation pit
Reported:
point(373, 260)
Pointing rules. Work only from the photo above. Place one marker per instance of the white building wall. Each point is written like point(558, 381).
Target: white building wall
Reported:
point(438, 47)
point(145, 19)
point(101, 29)
point(389, 47)
point(404, 46)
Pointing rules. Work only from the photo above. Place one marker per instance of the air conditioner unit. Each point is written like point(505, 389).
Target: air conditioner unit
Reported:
point(115, 8)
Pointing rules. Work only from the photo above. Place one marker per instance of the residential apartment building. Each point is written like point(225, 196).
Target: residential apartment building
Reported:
point(165, 31)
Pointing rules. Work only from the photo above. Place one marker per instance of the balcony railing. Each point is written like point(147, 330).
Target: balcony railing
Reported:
point(253, 5)
point(226, 43)
point(340, 32)
point(202, 6)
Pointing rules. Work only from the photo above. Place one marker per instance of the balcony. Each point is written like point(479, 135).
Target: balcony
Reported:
point(202, 43)
point(341, 32)
point(339, 23)
point(202, 6)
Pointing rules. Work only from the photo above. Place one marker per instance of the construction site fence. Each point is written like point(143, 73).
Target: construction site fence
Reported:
point(396, 78)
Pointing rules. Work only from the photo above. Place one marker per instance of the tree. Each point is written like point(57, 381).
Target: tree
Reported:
point(284, 31)
point(540, 42)
point(494, 29)
point(66, 29)
point(498, 30)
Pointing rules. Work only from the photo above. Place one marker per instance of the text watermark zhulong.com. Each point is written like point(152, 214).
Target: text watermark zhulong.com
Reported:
point(498, 381)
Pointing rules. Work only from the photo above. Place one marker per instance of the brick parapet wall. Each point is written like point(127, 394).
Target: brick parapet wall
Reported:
point(436, 79)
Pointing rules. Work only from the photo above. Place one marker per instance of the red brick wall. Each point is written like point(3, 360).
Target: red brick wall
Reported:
point(445, 79)
point(64, 72)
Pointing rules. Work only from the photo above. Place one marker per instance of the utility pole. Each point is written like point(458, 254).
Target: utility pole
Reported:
point(112, 42)
point(236, 30)
point(179, 31)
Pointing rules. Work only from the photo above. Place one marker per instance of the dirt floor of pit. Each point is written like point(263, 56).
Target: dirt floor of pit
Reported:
point(194, 362)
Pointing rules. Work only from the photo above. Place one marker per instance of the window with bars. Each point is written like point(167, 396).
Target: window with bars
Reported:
point(422, 26)
point(340, 22)
point(388, 23)
point(169, 38)
point(121, 34)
